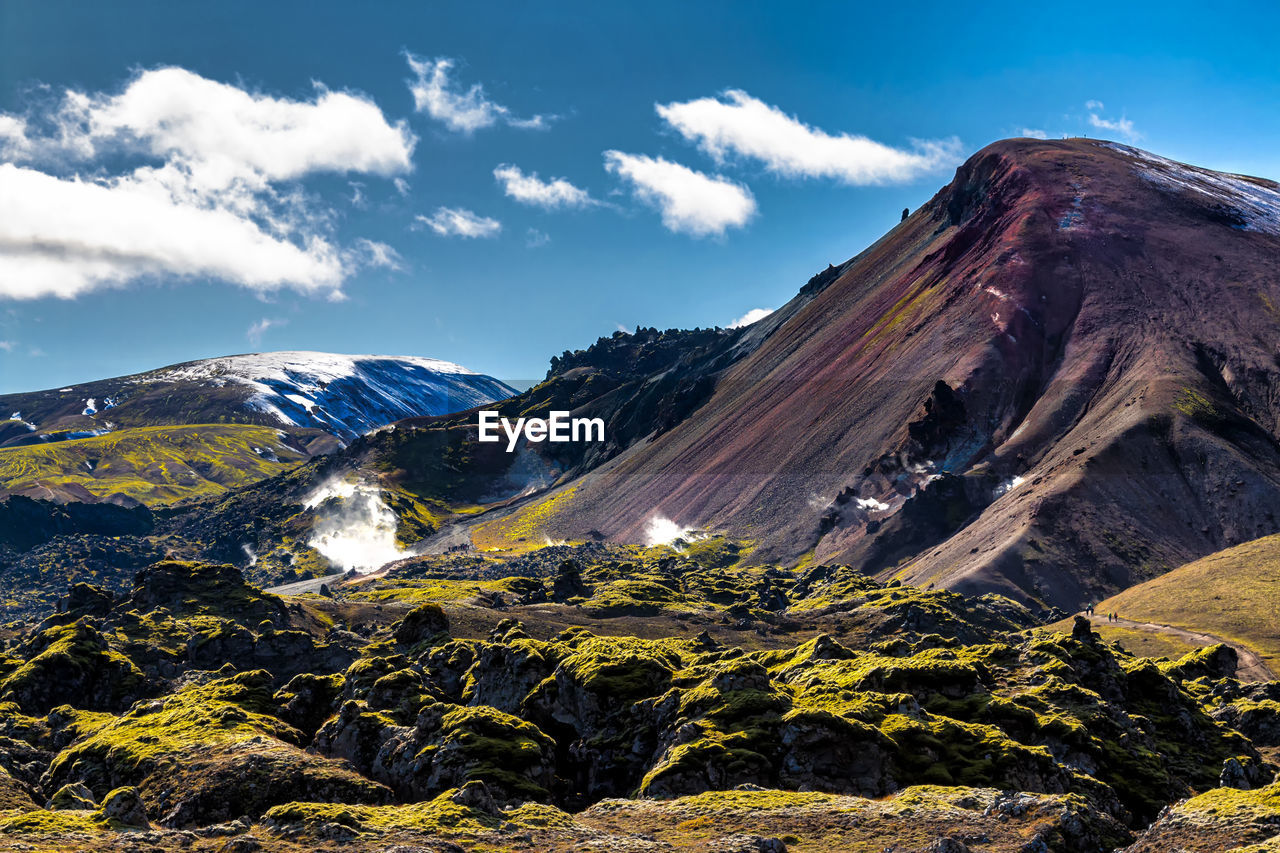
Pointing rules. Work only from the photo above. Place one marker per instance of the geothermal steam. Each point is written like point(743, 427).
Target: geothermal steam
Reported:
point(353, 527)
point(664, 531)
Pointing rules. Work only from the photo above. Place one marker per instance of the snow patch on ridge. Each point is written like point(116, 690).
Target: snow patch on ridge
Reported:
point(1257, 203)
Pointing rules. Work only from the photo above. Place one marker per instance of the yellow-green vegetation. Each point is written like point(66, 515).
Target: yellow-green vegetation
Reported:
point(154, 465)
point(1262, 804)
point(1233, 594)
point(717, 552)
point(1140, 642)
point(218, 713)
point(419, 591)
point(441, 816)
point(1193, 404)
point(42, 822)
point(941, 708)
point(416, 518)
point(490, 746)
point(522, 530)
point(74, 662)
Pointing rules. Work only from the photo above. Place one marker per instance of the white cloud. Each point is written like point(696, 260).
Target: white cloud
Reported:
point(533, 238)
point(63, 237)
point(401, 185)
point(8, 346)
point(1094, 105)
point(184, 177)
point(690, 202)
point(460, 222)
point(739, 124)
point(258, 329)
point(464, 112)
point(1122, 126)
point(752, 316)
point(1032, 133)
point(532, 190)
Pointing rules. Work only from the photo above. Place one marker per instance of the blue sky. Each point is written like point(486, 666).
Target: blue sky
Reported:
point(180, 181)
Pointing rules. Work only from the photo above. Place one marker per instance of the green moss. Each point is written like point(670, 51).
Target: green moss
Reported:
point(538, 816)
point(43, 822)
point(635, 597)
point(1260, 805)
point(716, 552)
point(223, 711)
point(624, 669)
point(752, 801)
point(440, 816)
point(75, 662)
point(483, 743)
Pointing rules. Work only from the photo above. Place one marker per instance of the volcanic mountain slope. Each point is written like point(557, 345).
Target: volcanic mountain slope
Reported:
point(1056, 379)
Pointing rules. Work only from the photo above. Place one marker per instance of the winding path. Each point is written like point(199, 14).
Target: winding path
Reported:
point(1251, 666)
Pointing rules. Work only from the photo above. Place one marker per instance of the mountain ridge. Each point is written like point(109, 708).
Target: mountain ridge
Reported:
point(992, 397)
point(287, 388)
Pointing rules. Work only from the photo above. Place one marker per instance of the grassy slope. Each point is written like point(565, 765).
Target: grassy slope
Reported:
point(1146, 644)
point(1234, 594)
point(155, 465)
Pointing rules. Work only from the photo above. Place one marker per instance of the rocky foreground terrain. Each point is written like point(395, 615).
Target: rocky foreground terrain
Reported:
point(613, 698)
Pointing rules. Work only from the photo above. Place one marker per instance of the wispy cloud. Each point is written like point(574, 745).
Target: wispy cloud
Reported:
point(689, 201)
point(179, 176)
point(532, 190)
point(460, 222)
point(753, 316)
point(258, 329)
point(14, 142)
point(1122, 126)
point(738, 124)
point(375, 254)
point(534, 239)
point(1032, 133)
point(435, 94)
point(1094, 105)
point(8, 346)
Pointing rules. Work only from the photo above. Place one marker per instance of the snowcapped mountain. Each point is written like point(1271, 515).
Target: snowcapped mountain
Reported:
point(342, 395)
point(345, 395)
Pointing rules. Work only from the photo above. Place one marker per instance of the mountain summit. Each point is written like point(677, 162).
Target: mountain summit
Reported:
point(1054, 380)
